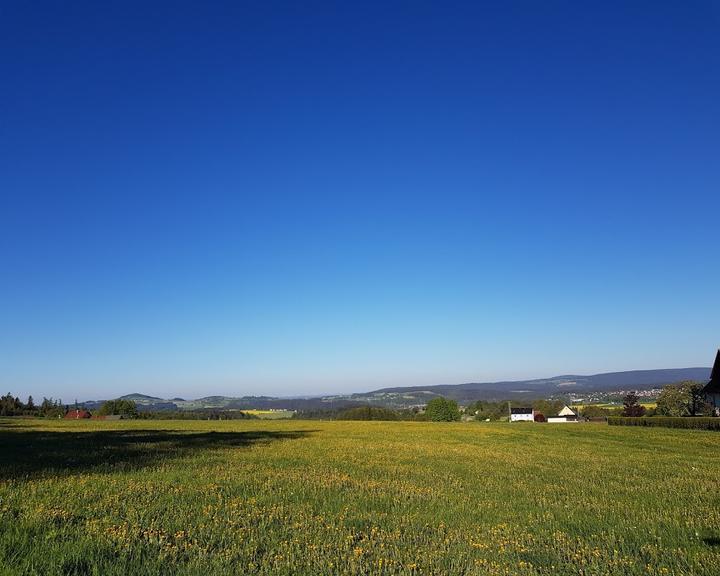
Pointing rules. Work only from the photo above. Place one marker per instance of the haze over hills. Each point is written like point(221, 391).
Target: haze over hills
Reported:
point(399, 397)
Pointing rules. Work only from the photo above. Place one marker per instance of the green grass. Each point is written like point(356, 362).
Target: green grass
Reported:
point(292, 497)
point(271, 414)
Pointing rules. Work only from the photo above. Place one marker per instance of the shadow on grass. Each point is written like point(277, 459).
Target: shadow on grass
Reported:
point(712, 540)
point(33, 453)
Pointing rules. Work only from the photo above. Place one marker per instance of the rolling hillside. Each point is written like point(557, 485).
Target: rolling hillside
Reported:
point(417, 395)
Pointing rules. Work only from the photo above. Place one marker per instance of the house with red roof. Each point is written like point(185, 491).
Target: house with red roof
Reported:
point(77, 414)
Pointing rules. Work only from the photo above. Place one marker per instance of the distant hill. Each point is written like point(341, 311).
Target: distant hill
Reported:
point(406, 396)
point(543, 387)
point(136, 397)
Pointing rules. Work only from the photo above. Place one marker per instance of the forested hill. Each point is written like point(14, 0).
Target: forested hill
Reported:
point(609, 381)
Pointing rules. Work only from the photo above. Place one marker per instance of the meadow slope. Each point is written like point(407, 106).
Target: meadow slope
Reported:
point(293, 497)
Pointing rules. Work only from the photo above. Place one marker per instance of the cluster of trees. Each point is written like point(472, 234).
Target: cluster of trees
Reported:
point(12, 406)
point(682, 399)
point(483, 410)
point(437, 410)
point(368, 413)
point(593, 411)
point(548, 408)
point(364, 412)
point(126, 408)
point(442, 410)
point(129, 409)
point(51, 408)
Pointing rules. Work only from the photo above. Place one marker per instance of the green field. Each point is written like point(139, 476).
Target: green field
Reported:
point(271, 414)
point(293, 497)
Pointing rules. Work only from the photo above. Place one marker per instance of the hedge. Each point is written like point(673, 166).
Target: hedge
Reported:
point(701, 423)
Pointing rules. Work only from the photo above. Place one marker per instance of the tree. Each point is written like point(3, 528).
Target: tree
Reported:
point(119, 407)
point(683, 399)
point(442, 410)
point(30, 404)
point(50, 408)
point(631, 405)
point(672, 401)
point(548, 408)
point(696, 398)
point(10, 405)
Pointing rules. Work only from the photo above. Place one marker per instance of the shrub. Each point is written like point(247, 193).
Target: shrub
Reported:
point(540, 417)
point(442, 410)
point(703, 423)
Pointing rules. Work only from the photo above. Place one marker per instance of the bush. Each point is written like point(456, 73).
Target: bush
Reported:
point(703, 423)
point(540, 417)
point(442, 410)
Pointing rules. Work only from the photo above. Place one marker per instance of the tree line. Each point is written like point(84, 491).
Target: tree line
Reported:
point(12, 406)
point(51, 408)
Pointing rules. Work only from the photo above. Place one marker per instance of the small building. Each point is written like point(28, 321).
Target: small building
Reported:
point(77, 414)
point(565, 415)
point(712, 389)
point(567, 412)
point(522, 415)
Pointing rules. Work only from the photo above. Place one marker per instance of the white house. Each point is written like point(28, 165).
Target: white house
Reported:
point(565, 415)
point(522, 415)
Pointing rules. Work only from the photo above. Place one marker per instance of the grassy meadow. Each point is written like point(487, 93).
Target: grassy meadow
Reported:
point(270, 414)
point(293, 497)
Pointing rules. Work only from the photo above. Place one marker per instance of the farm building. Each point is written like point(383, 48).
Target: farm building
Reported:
point(565, 415)
point(712, 389)
point(77, 414)
point(522, 415)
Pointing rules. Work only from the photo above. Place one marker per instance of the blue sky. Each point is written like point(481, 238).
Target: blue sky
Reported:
point(300, 198)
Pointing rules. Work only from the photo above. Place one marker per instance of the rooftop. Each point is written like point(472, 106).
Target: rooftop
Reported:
point(713, 386)
point(521, 410)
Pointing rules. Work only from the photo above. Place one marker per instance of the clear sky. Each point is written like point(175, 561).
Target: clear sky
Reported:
point(294, 198)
